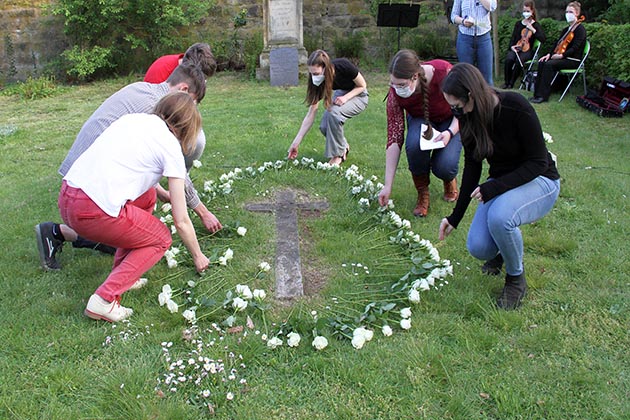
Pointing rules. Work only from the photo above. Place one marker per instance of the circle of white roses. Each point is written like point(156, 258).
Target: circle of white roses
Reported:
point(365, 190)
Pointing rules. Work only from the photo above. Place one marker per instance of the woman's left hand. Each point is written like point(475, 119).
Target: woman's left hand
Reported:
point(476, 195)
point(340, 100)
point(444, 137)
point(445, 229)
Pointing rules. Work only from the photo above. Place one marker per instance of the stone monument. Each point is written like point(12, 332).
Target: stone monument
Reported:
point(282, 21)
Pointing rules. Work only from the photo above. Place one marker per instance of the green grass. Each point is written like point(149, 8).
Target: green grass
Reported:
point(563, 355)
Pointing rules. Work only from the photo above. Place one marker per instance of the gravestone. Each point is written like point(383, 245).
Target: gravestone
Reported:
point(288, 268)
point(283, 67)
point(283, 28)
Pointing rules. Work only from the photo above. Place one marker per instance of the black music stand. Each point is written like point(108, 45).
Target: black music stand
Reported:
point(398, 16)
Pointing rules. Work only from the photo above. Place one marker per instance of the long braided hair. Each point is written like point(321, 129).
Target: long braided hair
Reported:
point(406, 65)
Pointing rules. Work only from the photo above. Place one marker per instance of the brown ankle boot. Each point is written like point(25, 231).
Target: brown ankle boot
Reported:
point(450, 190)
point(422, 185)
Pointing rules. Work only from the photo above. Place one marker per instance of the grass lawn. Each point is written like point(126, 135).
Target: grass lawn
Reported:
point(563, 355)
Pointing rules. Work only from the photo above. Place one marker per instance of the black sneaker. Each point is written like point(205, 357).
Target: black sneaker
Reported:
point(493, 267)
point(48, 246)
point(98, 246)
point(513, 293)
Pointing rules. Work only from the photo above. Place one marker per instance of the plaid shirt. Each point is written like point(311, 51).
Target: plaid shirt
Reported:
point(473, 9)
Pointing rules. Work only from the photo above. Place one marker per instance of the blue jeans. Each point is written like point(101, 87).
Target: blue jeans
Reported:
point(444, 163)
point(495, 229)
point(476, 50)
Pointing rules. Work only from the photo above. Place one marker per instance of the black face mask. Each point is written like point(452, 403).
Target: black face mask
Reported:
point(458, 112)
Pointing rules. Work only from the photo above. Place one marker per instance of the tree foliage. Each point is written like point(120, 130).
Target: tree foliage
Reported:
point(104, 34)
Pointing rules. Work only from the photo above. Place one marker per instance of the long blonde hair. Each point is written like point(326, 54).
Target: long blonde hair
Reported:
point(179, 112)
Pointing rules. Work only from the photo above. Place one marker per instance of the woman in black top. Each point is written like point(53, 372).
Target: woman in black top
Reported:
point(344, 91)
point(550, 63)
point(526, 31)
point(523, 183)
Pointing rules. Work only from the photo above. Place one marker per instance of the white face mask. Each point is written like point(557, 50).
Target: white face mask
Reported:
point(403, 92)
point(527, 15)
point(317, 80)
point(570, 17)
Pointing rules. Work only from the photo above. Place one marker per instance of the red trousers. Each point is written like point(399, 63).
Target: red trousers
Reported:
point(140, 238)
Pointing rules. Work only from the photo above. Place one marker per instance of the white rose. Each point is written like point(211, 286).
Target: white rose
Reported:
point(166, 207)
point(358, 341)
point(274, 342)
point(241, 231)
point(189, 315)
point(414, 296)
point(264, 266)
point(405, 312)
point(172, 306)
point(239, 304)
point(387, 330)
point(259, 294)
point(320, 342)
point(293, 339)
point(405, 324)
point(229, 254)
point(243, 291)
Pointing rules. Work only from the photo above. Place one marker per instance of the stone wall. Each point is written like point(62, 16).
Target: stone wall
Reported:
point(30, 39)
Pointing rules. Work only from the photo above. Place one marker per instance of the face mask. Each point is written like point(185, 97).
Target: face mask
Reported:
point(570, 17)
point(403, 92)
point(317, 80)
point(527, 15)
point(458, 112)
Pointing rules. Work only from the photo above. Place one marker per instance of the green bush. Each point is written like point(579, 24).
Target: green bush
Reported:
point(133, 32)
point(350, 47)
point(33, 88)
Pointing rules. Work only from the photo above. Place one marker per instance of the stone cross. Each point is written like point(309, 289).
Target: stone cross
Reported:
point(288, 270)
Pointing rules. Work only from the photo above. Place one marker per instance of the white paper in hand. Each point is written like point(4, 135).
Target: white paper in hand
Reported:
point(430, 144)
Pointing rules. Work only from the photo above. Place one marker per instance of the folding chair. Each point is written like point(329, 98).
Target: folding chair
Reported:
point(579, 70)
point(530, 63)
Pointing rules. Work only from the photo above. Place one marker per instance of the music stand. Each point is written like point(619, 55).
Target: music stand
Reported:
point(398, 16)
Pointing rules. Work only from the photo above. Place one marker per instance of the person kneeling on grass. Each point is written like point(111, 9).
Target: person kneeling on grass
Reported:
point(109, 195)
point(524, 184)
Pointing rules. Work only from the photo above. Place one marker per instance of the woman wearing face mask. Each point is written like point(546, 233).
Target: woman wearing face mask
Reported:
point(525, 32)
point(502, 128)
point(342, 87)
point(415, 90)
point(550, 63)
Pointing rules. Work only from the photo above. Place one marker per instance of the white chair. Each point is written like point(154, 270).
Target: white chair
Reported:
point(579, 70)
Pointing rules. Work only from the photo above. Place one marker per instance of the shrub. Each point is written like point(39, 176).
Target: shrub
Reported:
point(112, 35)
point(350, 47)
point(33, 88)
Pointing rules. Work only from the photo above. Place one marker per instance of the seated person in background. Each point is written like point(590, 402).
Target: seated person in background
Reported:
point(109, 195)
point(526, 31)
point(199, 54)
point(567, 53)
point(139, 97)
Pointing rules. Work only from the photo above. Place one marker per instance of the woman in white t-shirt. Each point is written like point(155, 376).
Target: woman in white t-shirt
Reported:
point(109, 194)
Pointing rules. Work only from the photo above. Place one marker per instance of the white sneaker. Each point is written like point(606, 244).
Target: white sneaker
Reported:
point(100, 309)
point(139, 284)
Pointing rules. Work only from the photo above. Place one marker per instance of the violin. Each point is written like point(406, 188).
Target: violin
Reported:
point(563, 44)
point(523, 44)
